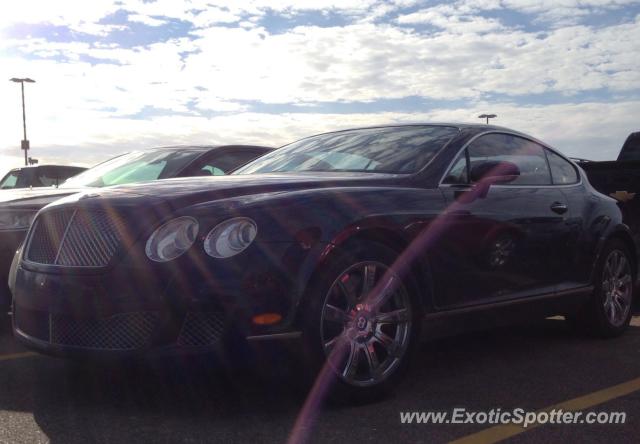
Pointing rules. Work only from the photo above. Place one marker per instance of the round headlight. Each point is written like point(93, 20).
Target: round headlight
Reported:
point(230, 237)
point(172, 239)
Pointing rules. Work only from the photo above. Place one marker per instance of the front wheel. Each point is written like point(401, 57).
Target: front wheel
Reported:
point(361, 321)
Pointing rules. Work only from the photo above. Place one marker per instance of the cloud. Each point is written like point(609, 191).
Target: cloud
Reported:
point(97, 93)
point(563, 10)
point(557, 12)
point(455, 23)
point(79, 15)
point(146, 19)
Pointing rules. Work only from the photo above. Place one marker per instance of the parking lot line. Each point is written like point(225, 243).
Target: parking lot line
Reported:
point(501, 432)
point(17, 356)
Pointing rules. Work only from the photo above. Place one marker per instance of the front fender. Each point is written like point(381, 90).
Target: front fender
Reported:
point(320, 220)
point(17, 257)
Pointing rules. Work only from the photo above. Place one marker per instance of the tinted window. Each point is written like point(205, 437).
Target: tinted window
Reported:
point(10, 180)
point(631, 148)
point(66, 173)
point(46, 177)
point(528, 156)
point(219, 164)
point(562, 171)
point(401, 150)
point(134, 167)
point(459, 172)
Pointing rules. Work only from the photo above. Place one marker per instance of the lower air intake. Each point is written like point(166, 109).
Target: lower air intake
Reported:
point(202, 329)
point(128, 331)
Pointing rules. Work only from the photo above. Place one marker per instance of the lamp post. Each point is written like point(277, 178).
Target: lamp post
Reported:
point(25, 141)
point(487, 116)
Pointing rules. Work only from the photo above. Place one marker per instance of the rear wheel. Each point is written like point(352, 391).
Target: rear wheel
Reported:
point(360, 322)
point(608, 312)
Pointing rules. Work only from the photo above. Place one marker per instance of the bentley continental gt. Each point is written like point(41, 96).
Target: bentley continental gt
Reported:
point(354, 243)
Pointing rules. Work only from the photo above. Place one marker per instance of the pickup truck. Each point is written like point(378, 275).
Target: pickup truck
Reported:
point(620, 179)
point(38, 176)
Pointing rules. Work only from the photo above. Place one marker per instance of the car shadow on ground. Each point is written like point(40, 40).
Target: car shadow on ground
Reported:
point(195, 399)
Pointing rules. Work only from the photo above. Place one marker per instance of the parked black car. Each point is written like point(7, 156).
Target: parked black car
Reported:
point(38, 176)
point(354, 241)
point(620, 179)
point(19, 207)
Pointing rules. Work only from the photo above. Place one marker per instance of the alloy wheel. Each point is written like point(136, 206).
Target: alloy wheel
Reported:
point(366, 323)
point(616, 287)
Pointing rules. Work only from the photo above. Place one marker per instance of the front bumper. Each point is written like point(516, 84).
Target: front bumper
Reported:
point(158, 308)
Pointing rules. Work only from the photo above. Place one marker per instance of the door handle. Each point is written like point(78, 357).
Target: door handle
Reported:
point(559, 207)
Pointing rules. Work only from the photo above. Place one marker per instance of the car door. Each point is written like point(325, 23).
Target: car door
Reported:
point(577, 253)
point(499, 243)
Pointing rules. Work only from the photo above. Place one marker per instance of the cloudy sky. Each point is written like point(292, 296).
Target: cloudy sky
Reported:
point(117, 75)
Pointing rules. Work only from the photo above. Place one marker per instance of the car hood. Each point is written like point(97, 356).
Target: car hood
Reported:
point(188, 191)
point(34, 197)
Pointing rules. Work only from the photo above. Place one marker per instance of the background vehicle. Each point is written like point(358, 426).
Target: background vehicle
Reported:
point(355, 241)
point(19, 207)
point(38, 176)
point(620, 179)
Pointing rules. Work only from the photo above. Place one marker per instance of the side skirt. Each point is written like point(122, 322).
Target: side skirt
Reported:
point(499, 314)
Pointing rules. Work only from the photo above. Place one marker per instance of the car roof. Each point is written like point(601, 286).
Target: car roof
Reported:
point(202, 147)
point(46, 165)
point(476, 127)
point(472, 129)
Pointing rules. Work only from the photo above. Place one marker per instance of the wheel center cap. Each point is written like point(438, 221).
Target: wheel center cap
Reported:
point(361, 323)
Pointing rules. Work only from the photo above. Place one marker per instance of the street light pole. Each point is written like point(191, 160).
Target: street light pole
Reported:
point(25, 141)
point(487, 116)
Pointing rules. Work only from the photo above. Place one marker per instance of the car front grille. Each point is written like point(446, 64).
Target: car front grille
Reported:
point(75, 238)
point(201, 329)
point(47, 234)
point(127, 331)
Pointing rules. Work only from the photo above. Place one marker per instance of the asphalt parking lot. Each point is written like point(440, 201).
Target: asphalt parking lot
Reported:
point(189, 400)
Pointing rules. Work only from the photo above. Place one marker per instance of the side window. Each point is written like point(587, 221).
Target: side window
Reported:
point(138, 171)
point(219, 164)
point(67, 173)
point(562, 172)
point(210, 170)
point(528, 156)
point(459, 173)
point(10, 180)
point(46, 177)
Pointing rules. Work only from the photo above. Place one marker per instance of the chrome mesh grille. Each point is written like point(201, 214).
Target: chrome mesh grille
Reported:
point(202, 329)
point(75, 238)
point(92, 240)
point(127, 331)
point(47, 235)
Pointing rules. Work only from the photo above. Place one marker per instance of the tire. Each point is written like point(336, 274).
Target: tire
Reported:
point(608, 312)
point(355, 345)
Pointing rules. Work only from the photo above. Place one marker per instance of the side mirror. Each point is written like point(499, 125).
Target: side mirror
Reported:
point(494, 172)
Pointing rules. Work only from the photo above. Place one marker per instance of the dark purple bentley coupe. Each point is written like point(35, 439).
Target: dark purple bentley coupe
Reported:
point(354, 243)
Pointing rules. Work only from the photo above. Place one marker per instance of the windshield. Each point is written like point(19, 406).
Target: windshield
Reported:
point(137, 166)
point(10, 180)
point(401, 150)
